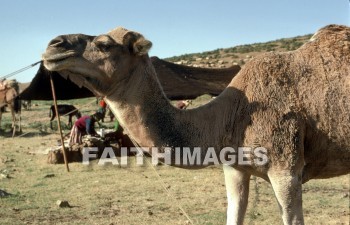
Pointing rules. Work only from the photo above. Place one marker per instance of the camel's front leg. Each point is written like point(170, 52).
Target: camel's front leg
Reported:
point(19, 122)
point(288, 191)
point(13, 116)
point(237, 188)
point(13, 119)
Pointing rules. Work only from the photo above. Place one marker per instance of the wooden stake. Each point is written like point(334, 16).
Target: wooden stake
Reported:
point(59, 123)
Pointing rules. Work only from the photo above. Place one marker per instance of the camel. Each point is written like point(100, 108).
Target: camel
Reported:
point(64, 110)
point(8, 97)
point(295, 105)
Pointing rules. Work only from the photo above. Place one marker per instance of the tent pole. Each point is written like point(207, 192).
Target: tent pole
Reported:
point(59, 123)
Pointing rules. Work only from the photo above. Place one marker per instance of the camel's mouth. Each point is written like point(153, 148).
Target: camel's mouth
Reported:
point(69, 64)
point(49, 56)
point(57, 61)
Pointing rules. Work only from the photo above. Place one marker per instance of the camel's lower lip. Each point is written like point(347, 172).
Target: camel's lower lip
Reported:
point(56, 61)
point(53, 65)
point(48, 56)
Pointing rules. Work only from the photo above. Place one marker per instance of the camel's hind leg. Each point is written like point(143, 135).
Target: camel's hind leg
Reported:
point(288, 191)
point(237, 187)
point(19, 122)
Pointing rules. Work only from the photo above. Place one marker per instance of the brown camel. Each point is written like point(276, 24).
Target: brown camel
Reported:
point(8, 97)
point(295, 105)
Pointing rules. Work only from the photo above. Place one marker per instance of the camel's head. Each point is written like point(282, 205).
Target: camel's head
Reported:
point(97, 62)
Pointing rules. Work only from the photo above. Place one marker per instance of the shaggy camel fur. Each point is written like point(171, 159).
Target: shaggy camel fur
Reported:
point(294, 104)
point(8, 96)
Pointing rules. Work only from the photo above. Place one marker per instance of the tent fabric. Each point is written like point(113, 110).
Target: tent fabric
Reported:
point(40, 87)
point(178, 82)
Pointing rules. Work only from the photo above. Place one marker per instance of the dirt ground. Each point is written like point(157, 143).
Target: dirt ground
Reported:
point(136, 194)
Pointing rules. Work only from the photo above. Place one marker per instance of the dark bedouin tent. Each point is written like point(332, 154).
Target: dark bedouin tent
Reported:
point(178, 81)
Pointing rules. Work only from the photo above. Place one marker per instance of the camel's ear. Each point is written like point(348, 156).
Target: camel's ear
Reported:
point(137, 43)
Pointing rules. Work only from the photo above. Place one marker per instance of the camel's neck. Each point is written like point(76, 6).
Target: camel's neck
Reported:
point(142, 108)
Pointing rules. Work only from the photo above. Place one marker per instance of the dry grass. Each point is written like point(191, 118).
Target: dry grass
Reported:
point(135, 195)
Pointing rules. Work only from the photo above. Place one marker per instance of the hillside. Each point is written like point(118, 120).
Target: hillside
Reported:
point(238, 55)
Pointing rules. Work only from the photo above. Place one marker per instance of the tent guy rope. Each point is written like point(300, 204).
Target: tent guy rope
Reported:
point(19, 71)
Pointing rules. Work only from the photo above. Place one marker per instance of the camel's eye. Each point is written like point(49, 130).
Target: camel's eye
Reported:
point(102, 46)
point(103, 43)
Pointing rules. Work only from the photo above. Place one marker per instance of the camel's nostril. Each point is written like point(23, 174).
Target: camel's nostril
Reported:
point(57, 42)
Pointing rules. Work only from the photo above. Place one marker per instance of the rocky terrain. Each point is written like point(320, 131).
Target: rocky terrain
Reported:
point(238, 55)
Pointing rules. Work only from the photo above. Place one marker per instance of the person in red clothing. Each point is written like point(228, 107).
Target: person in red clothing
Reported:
point(102, 109)
point(86, 125)
point(83, 126)
point(103, 104)
point(183, 104)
